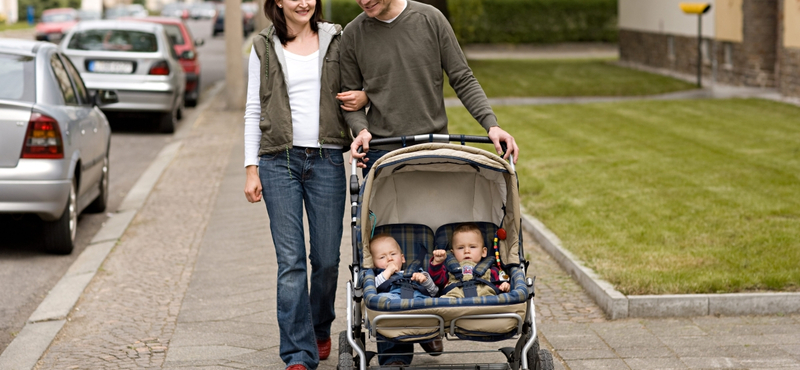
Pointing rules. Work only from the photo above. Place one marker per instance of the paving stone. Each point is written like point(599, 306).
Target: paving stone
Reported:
point(711, 363)
point(643, 352)
point(586, 354)
point(661, 363)
point(598, 364)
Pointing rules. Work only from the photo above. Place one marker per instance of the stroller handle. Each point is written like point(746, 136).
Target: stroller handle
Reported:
point(430, 138)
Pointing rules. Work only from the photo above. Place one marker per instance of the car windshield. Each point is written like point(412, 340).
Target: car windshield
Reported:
point(17, 74)
point(58, 17)
point(114, 40)
point(174, 33)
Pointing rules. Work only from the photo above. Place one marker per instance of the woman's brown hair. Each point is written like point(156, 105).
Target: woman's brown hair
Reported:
point(275, 14)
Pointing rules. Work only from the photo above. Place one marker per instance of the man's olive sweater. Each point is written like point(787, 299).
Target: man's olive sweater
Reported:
point(399, 65)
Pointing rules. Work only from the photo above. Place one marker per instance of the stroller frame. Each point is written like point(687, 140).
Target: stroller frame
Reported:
point(526, 354)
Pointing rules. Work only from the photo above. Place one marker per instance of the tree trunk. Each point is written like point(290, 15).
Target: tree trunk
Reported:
point(439, 4)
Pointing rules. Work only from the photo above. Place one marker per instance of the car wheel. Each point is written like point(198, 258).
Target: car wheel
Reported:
point(195, 93)
point(168, 121)
point(101, 202)
point(59, 235)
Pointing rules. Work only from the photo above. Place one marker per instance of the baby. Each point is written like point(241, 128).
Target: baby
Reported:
point(468, 249)
point(388, 259)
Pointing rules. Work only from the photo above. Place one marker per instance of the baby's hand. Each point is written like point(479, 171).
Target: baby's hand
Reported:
point(419, 277)
point(389, 271)
point(439, 256)
point(505, 287)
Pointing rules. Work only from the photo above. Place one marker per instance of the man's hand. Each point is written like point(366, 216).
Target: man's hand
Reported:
point(362, 140)
point(439, 256)
point(352, 100)
point(498, 135)
point(252, 185)
point(419, 277)
point(504, 287)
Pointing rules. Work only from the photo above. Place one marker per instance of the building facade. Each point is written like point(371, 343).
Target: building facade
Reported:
point(744, 42)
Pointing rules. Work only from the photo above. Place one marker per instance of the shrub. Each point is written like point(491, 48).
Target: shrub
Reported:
point(519, 21)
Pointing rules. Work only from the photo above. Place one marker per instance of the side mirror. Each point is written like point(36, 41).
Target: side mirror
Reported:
point(104, 97)
point(188, 55)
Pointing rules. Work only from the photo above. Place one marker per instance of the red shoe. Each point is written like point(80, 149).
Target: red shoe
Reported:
point(296, 367)
point(324, 348)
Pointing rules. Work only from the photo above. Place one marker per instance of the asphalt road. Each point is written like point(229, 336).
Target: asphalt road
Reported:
point(26, 272)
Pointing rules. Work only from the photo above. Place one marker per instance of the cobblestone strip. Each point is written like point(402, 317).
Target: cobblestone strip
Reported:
point(127, 315)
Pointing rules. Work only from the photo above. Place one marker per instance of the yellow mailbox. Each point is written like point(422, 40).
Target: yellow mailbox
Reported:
point(699, 9)
point(695, 8)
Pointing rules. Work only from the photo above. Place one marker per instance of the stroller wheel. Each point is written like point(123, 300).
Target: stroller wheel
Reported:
point(539, 359)
point(345, 353)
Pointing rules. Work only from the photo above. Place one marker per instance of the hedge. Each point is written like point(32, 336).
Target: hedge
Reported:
point(519, 21)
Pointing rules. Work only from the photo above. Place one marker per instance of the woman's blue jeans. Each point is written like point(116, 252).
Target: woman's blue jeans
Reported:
point(291, 179)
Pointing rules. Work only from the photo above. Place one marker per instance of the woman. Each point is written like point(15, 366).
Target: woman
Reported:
point(294, 138)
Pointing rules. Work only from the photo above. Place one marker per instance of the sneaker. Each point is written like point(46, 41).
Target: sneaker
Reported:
point(296, 367)
point(324, 348)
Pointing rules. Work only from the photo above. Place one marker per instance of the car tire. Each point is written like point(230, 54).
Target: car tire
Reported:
point(59, 235)
point(168, 121)
point(101, 202)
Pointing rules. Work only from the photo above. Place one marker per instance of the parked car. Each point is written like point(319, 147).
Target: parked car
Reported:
point(175, 10)
point(55, 23)
point(121, 11)
point(184, 45)
point(248, 24)
point(202, 10)
point(54, 140)
point(137, 59)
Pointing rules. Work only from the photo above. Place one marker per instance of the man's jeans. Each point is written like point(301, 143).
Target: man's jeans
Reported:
point(290, 179)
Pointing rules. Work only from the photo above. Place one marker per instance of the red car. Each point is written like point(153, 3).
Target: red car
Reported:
point(184, 46)
point(55, 23)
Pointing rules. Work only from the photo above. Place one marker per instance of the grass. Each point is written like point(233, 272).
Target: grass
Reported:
point(14, 26)
point(665, 197)
point(566, 77)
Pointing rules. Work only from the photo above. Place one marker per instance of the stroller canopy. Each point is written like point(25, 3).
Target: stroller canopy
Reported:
point(436, 184)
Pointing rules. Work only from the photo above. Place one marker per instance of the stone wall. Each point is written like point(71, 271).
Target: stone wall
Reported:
point(752, 62)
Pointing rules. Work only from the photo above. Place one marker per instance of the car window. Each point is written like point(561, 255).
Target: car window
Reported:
point(174, 33)
point(80, 88)
point(18, 76)
point(63, 81)
point(114, 40)
point(58, 17)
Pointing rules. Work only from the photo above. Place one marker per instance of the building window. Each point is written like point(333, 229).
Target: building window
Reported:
point(728, 55)
point(671, 47)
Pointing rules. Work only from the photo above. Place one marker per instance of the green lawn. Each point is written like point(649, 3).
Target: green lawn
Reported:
point(665, 196)
point(14, 26)
point(566, 77)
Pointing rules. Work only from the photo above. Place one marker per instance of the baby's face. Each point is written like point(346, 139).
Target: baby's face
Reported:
point(468, 245)
point(387, 252)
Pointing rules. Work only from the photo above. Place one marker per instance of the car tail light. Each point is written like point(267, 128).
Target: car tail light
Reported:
point(43, 139)
point(160, 68)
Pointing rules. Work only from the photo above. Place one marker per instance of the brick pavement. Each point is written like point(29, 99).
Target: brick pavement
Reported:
point(191, 286)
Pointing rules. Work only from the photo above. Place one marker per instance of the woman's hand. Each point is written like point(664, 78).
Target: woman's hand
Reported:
point(252, 186)
point(352, 100)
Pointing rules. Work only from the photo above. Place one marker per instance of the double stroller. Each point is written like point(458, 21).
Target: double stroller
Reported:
point(419, 194)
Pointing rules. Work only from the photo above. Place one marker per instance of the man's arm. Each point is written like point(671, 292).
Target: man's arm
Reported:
point(351, 79)
point(468, 90)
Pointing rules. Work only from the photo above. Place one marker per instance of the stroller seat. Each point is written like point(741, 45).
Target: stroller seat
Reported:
point(485, 318)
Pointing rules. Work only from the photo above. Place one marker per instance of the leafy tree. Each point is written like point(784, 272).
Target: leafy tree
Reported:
point(439, 4)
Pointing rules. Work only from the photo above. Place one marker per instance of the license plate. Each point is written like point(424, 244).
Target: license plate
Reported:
point(102, 66)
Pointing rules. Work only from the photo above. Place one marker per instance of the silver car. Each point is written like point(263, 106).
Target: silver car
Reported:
point(134, 58)
point(54, 140)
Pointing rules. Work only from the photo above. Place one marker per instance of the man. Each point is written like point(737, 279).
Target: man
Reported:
point(396, 51)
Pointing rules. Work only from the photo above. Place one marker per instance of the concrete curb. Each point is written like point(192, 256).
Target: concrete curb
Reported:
point(619, 306)
point(51, 315)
